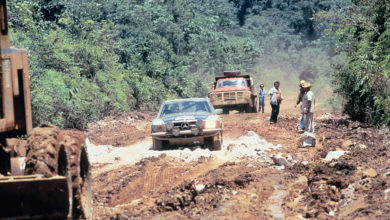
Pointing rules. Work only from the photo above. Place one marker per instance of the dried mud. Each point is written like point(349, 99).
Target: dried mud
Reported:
point(249, 187)
point(121, 129)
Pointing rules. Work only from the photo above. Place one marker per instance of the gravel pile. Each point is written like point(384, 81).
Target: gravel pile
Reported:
point(250, 145)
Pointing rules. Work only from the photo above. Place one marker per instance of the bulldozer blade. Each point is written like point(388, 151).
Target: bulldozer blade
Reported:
point(34, 197)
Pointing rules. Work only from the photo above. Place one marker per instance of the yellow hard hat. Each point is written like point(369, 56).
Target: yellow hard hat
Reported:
point(301, 82)
point(306, 85)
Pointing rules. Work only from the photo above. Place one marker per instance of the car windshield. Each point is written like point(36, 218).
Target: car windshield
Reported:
point(186, 107)
point(231, 83)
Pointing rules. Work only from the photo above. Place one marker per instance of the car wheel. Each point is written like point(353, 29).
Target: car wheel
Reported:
point(157, 144)
point(217, 144)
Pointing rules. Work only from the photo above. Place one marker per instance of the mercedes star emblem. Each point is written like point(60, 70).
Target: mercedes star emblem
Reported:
point(185, 126)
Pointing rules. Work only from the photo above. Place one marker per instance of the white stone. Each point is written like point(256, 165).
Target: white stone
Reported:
point(305, 162)
point(199, 187)
point(307, 139)
point(252, 133)
point(362, 146)
point(279, 160)
point(250, 166)
point(331, 213)
point(387, 191)
point(335, 155)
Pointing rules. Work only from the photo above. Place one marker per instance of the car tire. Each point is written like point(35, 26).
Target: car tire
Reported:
point(217, 144)
point(157, 144)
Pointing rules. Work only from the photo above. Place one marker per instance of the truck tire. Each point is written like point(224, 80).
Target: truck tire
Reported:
point(79, 169)
point(157, 144)
point(255, 105)
point(248, 108)
point(225, 111)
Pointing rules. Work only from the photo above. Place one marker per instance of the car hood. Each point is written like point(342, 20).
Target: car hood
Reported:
point(182, 117)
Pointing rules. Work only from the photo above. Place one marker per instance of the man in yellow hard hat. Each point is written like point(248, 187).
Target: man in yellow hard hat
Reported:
point(301, 127)
point(307, 108)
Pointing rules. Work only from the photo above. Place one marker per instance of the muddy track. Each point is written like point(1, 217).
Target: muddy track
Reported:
point(243, 180)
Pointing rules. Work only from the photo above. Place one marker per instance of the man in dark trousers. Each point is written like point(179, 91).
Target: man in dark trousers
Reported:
point(276, 98)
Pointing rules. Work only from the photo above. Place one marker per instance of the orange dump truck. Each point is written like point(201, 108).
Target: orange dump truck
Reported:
point(234, 91)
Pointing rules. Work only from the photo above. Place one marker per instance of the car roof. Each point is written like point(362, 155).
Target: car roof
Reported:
point(188, 99)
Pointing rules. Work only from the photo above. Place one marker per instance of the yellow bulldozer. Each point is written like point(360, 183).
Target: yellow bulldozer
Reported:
point(48, 175)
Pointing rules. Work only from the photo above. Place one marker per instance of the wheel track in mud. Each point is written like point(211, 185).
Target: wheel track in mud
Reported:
point(158, 178)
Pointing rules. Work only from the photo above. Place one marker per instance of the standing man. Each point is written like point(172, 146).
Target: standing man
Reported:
point(308, 102)
point(262, 93)
point(301, 127)
point(276, 98)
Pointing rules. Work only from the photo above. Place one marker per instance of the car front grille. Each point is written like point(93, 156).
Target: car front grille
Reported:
point(230, 96)
point(219, 97)
point(186, 125)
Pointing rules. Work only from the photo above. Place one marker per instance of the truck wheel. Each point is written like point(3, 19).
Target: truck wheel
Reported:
point(217, 144)
point(157, 144)
point(255, 106)
point(248, 108)
point(225, 111)
point(79, 169)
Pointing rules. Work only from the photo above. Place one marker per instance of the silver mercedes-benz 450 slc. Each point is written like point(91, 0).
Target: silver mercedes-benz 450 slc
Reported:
point(190, 121)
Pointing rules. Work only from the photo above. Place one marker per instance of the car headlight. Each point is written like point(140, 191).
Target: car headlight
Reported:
point(212, 96)
point(199, 123)
point(247, 94)
point(169, 125)
point(211, 122)
point(158, 126)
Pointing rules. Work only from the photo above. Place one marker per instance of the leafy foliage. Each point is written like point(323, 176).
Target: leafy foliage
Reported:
point(363, 29)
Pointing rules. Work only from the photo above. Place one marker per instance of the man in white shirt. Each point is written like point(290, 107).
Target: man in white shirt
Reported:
point(308, 102)
point(276, 98)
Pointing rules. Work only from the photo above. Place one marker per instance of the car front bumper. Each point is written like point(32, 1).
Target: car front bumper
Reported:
point(186, 137)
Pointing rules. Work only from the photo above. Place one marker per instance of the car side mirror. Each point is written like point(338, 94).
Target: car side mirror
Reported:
point(218, 111)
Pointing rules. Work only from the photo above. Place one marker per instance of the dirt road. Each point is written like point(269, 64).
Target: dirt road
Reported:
point(259, 174)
